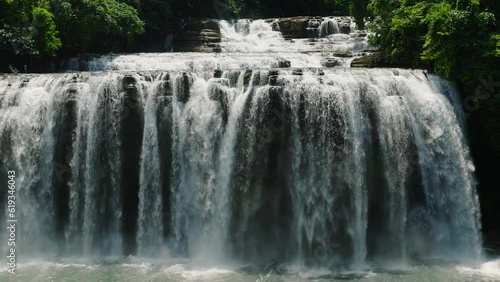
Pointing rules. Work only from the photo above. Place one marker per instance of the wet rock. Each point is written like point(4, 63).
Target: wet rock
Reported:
point(183, 95)
point(247, 77)
point(166, 88)
point(313, 23)
point(273, 77)
point(375, 59)
point(283, 63)
point(197, 35)
point(166, 77)
point(313, 28)
point(274, 72)
point(298, 72)
point(129, 81)
point(345, 28)
point(200, 24)
point(331, 62)
point(218, 74)
point(294, 27)
point(276, 26)
point(273, 80)
point(328, 27)
point(346, 54)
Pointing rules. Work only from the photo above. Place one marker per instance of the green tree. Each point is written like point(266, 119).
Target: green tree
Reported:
point(97, 25)
point(359, 10)
point(45, 32)
point(458, 39)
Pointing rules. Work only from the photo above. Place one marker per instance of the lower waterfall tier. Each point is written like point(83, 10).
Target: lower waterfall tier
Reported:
point(321, 167)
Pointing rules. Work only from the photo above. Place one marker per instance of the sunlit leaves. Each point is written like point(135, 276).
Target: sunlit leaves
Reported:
point(45, 32)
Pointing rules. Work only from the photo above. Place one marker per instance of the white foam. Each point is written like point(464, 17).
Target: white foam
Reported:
point(489, 269)
point(196, 62)
point(206, 274)
point(259, 37)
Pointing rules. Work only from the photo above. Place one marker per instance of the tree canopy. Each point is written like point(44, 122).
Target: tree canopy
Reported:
point(45, 28)
point(457, 39)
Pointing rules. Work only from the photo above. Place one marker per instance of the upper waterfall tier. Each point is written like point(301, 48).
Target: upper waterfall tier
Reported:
point(246, 44)
point(265, 36)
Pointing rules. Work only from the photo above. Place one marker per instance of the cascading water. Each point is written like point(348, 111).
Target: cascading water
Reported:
point(150, 221)
point(328, 27)
point(246, 36)
point(332, 168)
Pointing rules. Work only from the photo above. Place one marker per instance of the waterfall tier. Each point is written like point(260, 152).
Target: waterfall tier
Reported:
point(256, 165)
point(271, 151)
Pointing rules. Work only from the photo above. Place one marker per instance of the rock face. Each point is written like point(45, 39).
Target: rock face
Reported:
point(203, 35)
point(373, 60)
point(305, 27)
point(295, 27)
point(198, 35)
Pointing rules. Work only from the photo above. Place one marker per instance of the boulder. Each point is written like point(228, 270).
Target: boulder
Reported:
point(313, 23)
point(276, 26)
point(283, 63)
point(217, 73)
point(331, 62)
point(345, 28)
point(294, 27)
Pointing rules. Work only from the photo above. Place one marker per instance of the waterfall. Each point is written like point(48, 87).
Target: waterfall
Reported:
point(95, 207)
point(395, 143)
point(30, 109)
point(150, 222)
point(328, 27)
point(246, 36)
point(256, 155)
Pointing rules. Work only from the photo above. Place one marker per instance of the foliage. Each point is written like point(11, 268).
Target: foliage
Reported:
point(14, 35)
point(28, 28)
point(280, 8)
point(97, 25)
point(38, 28)
point(358, 8)
point(458, 39)
point(45, 32)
